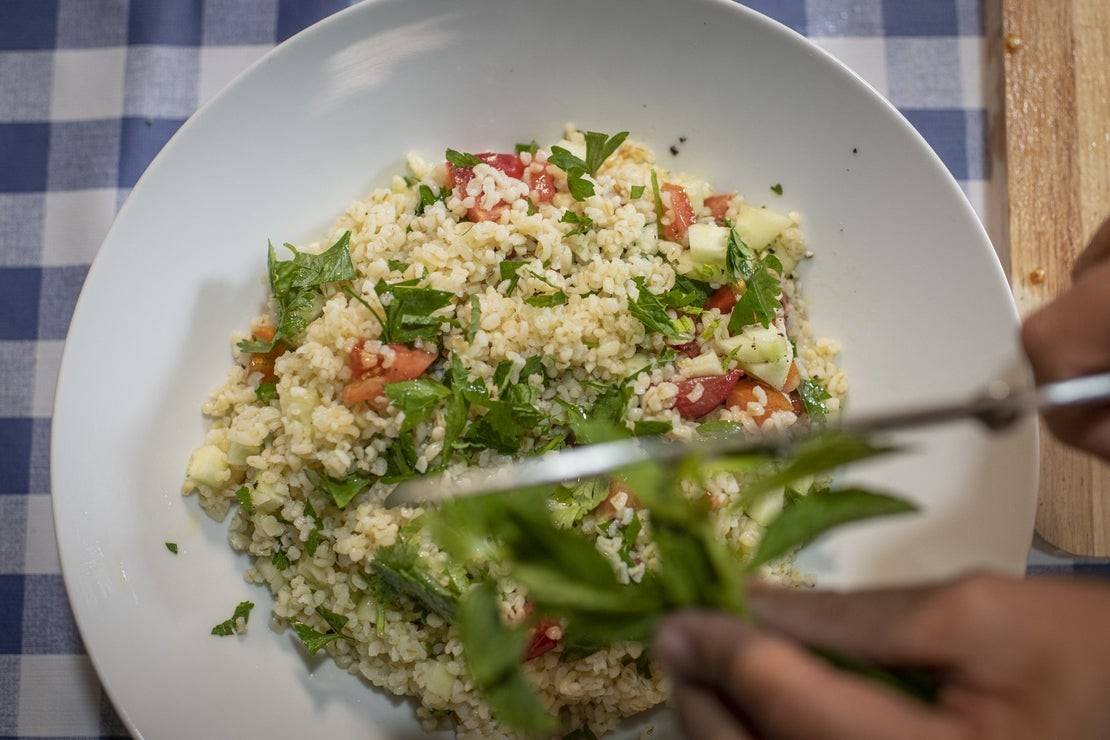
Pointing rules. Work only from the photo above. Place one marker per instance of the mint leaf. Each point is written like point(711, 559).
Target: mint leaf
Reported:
point(600, 147)
point(813, 396)
point(761, 299)
point(400, 567)
point(652, 313)
point(814, 515)
point(818, 455)
point(228, 626)
point(416, 398)
point(686, 293)
point(461, 159)
point(736, 257)
point(649, 428)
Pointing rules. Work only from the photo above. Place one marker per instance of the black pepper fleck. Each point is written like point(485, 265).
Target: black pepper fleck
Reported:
point(681, 139)
point(674, 150)
point(855, 150)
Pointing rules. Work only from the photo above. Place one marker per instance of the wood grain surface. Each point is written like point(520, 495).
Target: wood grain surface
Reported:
point(1056, 60)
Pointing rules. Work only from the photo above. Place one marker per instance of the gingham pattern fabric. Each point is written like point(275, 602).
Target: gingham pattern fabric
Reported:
point(89, 92)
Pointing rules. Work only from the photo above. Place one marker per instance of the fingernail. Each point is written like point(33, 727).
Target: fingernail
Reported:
point(674, 648)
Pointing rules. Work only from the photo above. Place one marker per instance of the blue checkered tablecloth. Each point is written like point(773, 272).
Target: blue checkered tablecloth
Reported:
point(91, 89)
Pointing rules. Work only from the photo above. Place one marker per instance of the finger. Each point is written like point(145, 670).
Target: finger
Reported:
point(704, 716)
point(784, 692)
point(890, 626)
point(1097, 251)
point(1071, 337)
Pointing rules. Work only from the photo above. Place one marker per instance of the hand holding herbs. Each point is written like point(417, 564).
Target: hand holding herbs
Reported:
point(527, 534)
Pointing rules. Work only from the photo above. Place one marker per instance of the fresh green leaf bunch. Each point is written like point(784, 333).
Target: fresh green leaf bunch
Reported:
point(531, 535)
point(599, 147)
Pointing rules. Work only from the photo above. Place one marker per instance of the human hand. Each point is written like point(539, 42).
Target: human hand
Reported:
point(1017, 659)
point(1071, 337)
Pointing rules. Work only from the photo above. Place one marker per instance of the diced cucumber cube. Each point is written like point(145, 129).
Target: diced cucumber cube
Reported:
point(767, 506)
point(237, 454)
point(707, 363)
point(755, 345)
point(708, 244)
point(758, 227)
point(208, 466)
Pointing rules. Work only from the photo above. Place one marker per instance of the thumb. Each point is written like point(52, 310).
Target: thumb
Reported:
point(780, 690)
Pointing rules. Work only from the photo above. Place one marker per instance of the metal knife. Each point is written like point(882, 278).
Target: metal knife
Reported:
point(997, 407)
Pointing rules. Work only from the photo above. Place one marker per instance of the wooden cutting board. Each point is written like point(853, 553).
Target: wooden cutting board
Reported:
point(1052, 137)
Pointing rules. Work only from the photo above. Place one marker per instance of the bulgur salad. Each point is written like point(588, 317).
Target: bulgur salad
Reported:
point(484, 307)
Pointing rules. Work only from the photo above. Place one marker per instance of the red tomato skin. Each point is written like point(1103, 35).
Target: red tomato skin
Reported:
point(408, 363)
point(510, 164)
point(718, 205)
point(540, 642)
point(543, 188)
point(459, 177)
point(477, 214)
point(690, 349)
point(682, 213)
point(715, 389)
point(369, 378)
point(723, 299)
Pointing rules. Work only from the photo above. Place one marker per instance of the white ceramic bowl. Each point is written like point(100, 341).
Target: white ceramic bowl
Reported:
point(904, 276)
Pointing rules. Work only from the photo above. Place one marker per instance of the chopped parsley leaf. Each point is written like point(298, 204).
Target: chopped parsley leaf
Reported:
point(658, 200)
point(417, 398)
point(547, 300)
point(297, 284)
point(244, 497)
point(637, 191)
point(475, 318)
point(461, 159)
point(342, 491)
point(583, 223)
point(172, 547)
point(600, 147)
point(580, 188)
point(409, 314)
point(564, 160)
point(397, 265)
point(266, 392)
point(509, 269)
point(228, 626)
point(531, 148)
point(532, 210)
point(314, 640)
point(279, 560)
point(777, 188)
point(649, 428)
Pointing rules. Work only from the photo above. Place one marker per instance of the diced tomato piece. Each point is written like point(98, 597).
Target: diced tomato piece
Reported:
point(510, 164)
point(714, 390)
point(541, 642)
point(690, 349)
point(793, 379)
point(264, 332)
point(477, 214)
point(369, 378)
point(543, 187)
point(263, 362)
point(607, 509)
point(459, 177)
point(408, 363)
point(723, 299)
point(718, 205)
point(681, 212)
point(744, 393)
point(364, 389)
